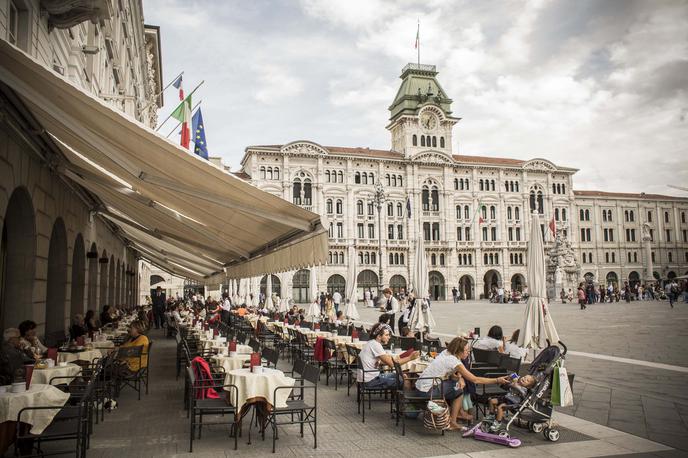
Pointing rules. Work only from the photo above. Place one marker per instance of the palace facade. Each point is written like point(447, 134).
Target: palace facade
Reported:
point(472, 211)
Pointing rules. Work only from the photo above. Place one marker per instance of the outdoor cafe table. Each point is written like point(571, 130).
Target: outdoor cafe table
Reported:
point(38, 395)
point(230, 363)
point(258, 387)
point(104, 346)
point(85, 355)
point(43, 376)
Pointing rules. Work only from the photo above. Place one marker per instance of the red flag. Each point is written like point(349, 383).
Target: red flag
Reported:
point(183, 114)
point(481, 220)
point(553, 226)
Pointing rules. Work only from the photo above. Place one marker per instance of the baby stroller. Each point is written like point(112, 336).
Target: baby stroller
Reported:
point(535, 411)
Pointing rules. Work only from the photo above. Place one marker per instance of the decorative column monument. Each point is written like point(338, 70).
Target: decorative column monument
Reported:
point(563, 271)
point(647, 238)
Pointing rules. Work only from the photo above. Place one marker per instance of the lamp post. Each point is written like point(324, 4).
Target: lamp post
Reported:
point(378, 200)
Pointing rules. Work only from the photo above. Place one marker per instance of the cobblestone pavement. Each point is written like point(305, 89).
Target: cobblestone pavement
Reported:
point(157, 426)
point(639, 399)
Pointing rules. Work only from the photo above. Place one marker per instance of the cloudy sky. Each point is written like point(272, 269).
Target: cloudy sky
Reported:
point(597, 85)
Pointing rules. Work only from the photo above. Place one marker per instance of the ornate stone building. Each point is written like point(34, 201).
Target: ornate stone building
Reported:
point(472, 211)
point(58, 257)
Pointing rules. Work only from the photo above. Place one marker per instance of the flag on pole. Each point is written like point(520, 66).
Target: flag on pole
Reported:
point(178, 84)
point(408, 207)
point(201, 147)
point(481, 220)
point(183, 114)
point(553, 226)
point(417, 36)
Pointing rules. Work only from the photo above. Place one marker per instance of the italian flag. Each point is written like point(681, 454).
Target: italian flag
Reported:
point(183, 114)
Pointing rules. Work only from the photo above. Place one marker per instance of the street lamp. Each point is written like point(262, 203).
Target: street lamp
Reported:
point(378, 199)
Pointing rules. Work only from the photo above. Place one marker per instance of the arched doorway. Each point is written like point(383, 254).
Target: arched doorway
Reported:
point(671, 275)
point(299, 286)
point(466, 287)
point(17, 259)
point(436, 282)
point(397, 284)
point(56, 284)
point(367, 281)
point(276, 284)
point(336, 283)
point(111, 281)
point(612, 279)
point(103, 296)
point(78, 276)
point(633, 278)
point(92, 278)
point(517, 282)
point(491, 280)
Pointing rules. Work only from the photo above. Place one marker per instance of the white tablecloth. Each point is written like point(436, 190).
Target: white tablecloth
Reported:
point(86, 355)
point(252, 386)
point(230, 363)
point(43, 376)
point(36, 396)
point(104, 347)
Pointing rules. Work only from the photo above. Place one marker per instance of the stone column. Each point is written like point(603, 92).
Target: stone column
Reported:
point(647, 248)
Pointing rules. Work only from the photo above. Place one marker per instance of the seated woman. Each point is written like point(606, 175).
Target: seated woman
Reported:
point(340, 319)
point(448, 365)
point(406, 332)
point(494, 340)
point(136, 339)
point(90, 321)
point(105, 317)
point(511, 346)
point(373, 355)
point(77, 329)
point(12, 358)
point(28, 341)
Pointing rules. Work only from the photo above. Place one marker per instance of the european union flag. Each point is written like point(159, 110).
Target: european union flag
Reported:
point(201, 147)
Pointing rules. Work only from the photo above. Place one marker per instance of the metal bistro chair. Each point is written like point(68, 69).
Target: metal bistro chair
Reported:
point(305, 408)
point(334, 365)
point(408, 397)
point(363, 391)
point(123, 377)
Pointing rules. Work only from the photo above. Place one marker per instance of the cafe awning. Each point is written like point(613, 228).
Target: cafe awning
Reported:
point(176, 209)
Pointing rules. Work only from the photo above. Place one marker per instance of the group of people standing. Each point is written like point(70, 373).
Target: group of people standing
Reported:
point(590, 293)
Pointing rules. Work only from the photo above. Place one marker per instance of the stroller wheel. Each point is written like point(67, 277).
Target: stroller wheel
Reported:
point(536, 427)
point(551, 434)
point(504, 434)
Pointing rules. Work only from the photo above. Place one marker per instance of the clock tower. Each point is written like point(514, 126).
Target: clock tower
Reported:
point(420, 116)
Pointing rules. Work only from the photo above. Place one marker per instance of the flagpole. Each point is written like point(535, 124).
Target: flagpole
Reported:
point(170, 115)
point(179, 123)
point(160, 93)
point(418, 35)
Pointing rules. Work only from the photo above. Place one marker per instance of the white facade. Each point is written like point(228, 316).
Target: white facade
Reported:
point(470, 248)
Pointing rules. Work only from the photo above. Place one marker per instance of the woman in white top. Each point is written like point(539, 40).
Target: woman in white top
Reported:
point(494, 341)
point(511, 346)
point(448, 365)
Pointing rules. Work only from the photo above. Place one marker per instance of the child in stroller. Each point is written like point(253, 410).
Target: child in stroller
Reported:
point(517, 391)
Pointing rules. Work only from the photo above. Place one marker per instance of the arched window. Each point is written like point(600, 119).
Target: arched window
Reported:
point(400, 180)
point(276, 175)
point(554, 188)
point(262, 172)
point(400, 210)
point(422, 140)
point(516, 186)
point(493, 212)
point(456, 184)
point(506, 186)
point(327, 176)
point(563, 188)
point(435, 199)
point(441, 259)
point(390, 209)
point(563, 214)
point(533, 203)
point(466, 212)
point(458, 212)
point(483, 212)
point(434, 142)
point(517, 210)
point(340, 207)
point(587, 215)
point(366, 257)
point(582, 215)
point(433, 259)
point(394, 180)
point(307, 192)
point(508, 213)
point(481, 184)
point(396, 258)
point(296, 191)
point(467, 187)
point(414, 140)
point(401, 259)
point(269, 173)
point(485, 259)
point(373, 257)
point(540, 202)
point(364, 178)
point(556, 214)
point(357, 178)
point(328, 204)
point(360, 258)
point(371, 210)
point(492, 183)
point(391, 258)
point(425, 198)
point(372, 178)
point(441, 142)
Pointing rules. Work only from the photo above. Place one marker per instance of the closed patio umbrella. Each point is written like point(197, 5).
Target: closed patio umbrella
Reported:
point(419, 279)
point(314, 309)
point(268, 293)
point(538, 326)
point(351, 311)
point(255, 290)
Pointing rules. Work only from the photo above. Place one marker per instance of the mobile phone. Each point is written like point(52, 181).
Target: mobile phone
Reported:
point(514, 376)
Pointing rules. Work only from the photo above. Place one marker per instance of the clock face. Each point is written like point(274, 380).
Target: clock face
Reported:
point(428, 121)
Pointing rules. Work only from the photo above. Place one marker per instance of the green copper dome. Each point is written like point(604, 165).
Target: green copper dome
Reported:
point(419, 87)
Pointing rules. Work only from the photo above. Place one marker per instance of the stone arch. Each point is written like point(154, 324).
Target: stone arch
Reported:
point(56, 284)
point(336, 283)
point(466, 287)
point(300, 286)
point(367, 280)
point(103, 296)
point(492, 279)
point(517, 282)
point(155, 279)
point(437, 286)
point(276, 284)
point(111, 281)
point(78, 276)
point(17, 258)
point(92, 301)
point(613, 279)
point(397, 284)
point(634, 278)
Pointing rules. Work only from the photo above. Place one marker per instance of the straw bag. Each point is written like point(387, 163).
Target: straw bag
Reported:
point(439, 420)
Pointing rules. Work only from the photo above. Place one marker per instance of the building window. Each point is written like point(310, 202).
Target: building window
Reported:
point(414, 140)
point(329, 206)
point(466, 212)
point(435, 231)
point(441, 142)
point(435, 199)
point(359, 208)
point(371, 231)
point(493, 212)
point(649, 216)
point(666, 217)
point(390, 232)
point(400, 232)
point(509, 213)
point(307, 192)
point(360, 231)
point(422, 140)
point(371, 209)
point(357, 178)
point(340, 207)
point(296, 191)
point(390, 209)
point(400, 210)
point(517, 210)
point(425, 199)
point(668, 235)
point(493, 232)
point(670, 257)
point(426, 231)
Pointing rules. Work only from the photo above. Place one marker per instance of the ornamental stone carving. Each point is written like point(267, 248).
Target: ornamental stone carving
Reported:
point(434, 158)
point(303, 149)
point(63, 14)
point(539, 164)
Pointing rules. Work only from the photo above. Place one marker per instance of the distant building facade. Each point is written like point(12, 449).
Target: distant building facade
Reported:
point(472, 211)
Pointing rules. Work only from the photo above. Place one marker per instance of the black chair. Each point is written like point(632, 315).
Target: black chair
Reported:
point(333, 365)
point(301, 411)
point(270, 356)
point(254, 344)
point(70, 424)
point(363, 391)
point(352, 357)
point(123, 375)
point(406, 343)
point(409, 397)
point(200, 405)
point(363, 336)
point(265, 336)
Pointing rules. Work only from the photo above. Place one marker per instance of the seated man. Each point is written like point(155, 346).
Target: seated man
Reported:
point(372, 355)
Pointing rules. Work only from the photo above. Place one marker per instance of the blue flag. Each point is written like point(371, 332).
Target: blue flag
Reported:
point(201, 147)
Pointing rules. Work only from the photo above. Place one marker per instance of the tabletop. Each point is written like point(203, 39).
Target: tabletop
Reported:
point(259, 386)
point(37, 395)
